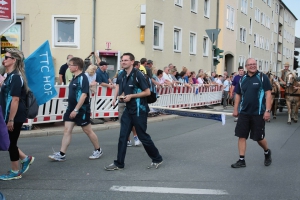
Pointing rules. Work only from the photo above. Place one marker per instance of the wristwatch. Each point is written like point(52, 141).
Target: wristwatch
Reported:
point(268, 111)
point(75, 110)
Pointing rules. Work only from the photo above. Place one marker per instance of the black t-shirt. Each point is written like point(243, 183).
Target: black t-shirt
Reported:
point(62, 71)
point(126, 84)
point(252, 90)
point(77, 86)
point(13, 86)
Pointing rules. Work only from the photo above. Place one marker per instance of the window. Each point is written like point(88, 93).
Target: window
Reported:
point(206, 8)
point(193, 43)
point(66, 31)
point(251, 3)
point(250, 28)
point(242, 60)
point(230, 18)
point(277, 8)
point(158, 31)
point(205, 46)
point(194, 6)
point(243, 34)
point(244, 6)
point(177, 39)
point(269, 2)
point(178, 3)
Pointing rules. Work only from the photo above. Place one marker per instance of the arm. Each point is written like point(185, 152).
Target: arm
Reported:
point(268, 104)
point(78, 106)
point(12, 113)
point(139, 95)
point(236, 105)
point(60, 79)
point(115, 95)
point(107, 85)
point(98, 60)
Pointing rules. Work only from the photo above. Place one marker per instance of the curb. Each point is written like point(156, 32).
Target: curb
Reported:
point(98, 127)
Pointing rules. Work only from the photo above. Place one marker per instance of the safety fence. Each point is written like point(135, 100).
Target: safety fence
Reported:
point(101, 101)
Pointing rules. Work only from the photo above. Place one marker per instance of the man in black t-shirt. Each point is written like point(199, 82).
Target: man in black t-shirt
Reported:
point(134, 87)
point(78, 111)
point(63, 70)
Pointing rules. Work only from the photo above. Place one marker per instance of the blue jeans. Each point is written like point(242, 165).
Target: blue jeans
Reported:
point(140, 124)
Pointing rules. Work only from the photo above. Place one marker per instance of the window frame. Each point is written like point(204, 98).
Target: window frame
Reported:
point(230, 17)
point(243, 34)
point(207, 14)
point(76, 19)
point(179, 45)
point(178, 3)
point(194, 52)
point(206, 42)
point(195, 10)
point(161, 35)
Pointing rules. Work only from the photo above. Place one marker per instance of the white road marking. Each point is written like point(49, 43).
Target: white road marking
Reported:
point(167, 190)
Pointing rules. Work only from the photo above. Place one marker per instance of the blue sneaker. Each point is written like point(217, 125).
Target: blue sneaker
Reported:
point(10, 176)
point(25, 165)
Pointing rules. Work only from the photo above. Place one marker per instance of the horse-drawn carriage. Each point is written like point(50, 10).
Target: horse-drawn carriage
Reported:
point(289, 96)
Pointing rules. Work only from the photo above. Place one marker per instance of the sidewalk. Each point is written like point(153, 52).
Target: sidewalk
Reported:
point(57, 128)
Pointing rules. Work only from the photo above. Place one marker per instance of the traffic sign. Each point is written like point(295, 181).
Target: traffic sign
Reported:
point(213, 34)
point(7, 14)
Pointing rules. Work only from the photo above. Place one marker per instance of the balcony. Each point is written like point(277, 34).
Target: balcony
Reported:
point(280, 39)
point(281, 20)
point(279, 56)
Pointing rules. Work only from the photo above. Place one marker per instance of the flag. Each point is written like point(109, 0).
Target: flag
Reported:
point(40, 74)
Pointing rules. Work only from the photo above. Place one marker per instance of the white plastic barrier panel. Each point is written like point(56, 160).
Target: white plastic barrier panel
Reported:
point(103, 103)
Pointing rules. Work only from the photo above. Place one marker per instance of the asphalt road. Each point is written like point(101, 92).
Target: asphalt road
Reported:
point(197, 155)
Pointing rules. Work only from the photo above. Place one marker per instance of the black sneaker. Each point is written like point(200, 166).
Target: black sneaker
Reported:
point(239, 164)
point(268, 159)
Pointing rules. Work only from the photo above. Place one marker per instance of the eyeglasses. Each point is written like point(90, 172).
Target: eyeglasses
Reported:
point(252, 64)
point(72, 65)
point(125, 60)
point(7, 57)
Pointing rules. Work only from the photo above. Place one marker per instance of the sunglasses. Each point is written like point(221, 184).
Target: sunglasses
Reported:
point(7, 57)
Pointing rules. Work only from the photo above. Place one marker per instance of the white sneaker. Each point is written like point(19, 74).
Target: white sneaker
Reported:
point(129, 144)
point(96, 154)
point(137, 142)
point(57, 157)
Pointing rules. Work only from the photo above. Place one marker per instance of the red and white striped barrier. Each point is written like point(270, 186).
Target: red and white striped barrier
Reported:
point(101, 101)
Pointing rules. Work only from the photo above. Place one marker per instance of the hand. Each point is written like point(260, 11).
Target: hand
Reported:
point(235, 113)
point(267, 116)
point(230, 95)
point(73, 115)
point(113, 102)
point(127, 98)
point(10, 126)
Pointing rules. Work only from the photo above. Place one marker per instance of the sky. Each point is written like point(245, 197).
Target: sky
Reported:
point(293, 5)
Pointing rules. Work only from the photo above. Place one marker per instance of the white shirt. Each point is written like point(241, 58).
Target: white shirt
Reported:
point(167, 77)
point(90, 78)
point(200, 80)
point(226, 85)
point(218, 81)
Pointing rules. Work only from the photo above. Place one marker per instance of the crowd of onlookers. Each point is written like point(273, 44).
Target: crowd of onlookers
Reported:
point(168, 76)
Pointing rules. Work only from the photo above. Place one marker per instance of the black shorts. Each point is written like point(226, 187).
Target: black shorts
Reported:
point(250, 124)
point(82, 118)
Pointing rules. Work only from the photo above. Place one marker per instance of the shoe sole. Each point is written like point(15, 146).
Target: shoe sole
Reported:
point(32, 160)
point(238, 166)
point(14, 178)
point(57, 160)
point(96, 158)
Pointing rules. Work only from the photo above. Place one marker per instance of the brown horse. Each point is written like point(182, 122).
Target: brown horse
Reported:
point(275, 93)
point(292, 97)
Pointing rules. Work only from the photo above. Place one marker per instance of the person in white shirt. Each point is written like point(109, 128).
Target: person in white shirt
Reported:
point(219, 80)
point(166, 75)
point(90, 73)
point(226, 85)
